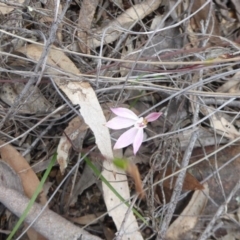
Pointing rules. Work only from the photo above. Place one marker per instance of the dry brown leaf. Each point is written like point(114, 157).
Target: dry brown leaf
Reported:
point(11, 180)
point(87, 179)
point(190, 183)
point(76, 129)
point(132, 170)
point(224, 127)
point(157, 20)
point(202, 16)
point(125, 20)
point(220, 124)
point(189, 217)
point(88, 8)
point(87, 219)
point(28, 178)
point(5, 9)
point(18, 163)
point(108, 233)
point(232, 85)
point(81, 93)
point(35, 102)
point(199, 21)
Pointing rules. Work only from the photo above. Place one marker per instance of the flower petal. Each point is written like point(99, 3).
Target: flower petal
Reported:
point(125, 113)
point(153, 116)
point(119, 123)
point(126, 138)
point(138, 140)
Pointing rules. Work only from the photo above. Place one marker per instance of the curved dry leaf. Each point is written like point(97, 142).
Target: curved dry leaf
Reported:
point(190, 182)
point(164, 193)
point(203, 15)
point(125, 20)
point(11, 180)
point(87, 219)
point(28, 178)
point(220, 124)
point(224, 127)
point(132, 170)
point(232, 85)
point(33, 103)
point(76, 128)
point(189, 217)
point(18, 163)
point(157, 20)
point(5, 9)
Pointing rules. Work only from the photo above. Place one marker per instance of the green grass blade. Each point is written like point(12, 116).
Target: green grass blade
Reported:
point(99, 175)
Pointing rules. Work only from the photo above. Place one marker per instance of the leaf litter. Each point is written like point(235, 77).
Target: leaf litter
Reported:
point(64, 65)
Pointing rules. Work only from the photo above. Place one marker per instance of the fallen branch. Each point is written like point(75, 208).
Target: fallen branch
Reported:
point(49, 224)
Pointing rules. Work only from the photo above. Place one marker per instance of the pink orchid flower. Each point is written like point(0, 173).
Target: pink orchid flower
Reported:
point(126, 118)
